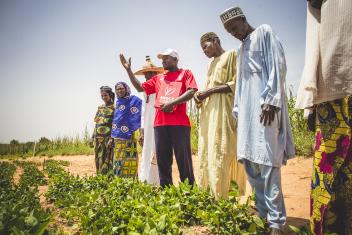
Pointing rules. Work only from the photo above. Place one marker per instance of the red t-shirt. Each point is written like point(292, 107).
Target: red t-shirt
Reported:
point(178, 117)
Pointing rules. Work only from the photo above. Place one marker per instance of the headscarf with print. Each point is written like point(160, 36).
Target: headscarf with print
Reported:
point(108, 90)
point(127, 115)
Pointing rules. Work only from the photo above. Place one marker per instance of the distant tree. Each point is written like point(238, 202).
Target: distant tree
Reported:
point(14, 142)
point(29, 144)
point(44, 140)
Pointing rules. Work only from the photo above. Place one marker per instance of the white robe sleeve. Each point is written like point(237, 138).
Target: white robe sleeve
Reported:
point(275, 65)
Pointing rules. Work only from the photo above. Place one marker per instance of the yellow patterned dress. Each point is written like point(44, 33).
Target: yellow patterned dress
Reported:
point(126, 157)
point(331, 195)
point(102, 132)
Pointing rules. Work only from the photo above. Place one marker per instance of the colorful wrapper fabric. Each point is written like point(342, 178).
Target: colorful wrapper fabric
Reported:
point(331, 195)
point(126, 157)
point(103, 155)
point(102, 132)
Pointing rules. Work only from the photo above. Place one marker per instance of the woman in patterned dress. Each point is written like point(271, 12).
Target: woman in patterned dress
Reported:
point(102, 131)
point(326, 88)
point(126, 121)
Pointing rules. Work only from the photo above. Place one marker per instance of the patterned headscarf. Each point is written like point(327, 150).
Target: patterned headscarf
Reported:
point(127, 115)
point(108, 90)
point(127, 88)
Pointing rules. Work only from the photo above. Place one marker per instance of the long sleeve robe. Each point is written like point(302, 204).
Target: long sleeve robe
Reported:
point(217, 131)
point(261, 80)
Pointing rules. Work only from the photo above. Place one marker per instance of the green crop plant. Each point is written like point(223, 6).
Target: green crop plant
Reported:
point(110, 205)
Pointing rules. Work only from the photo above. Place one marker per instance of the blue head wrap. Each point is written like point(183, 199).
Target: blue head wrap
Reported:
point(127, 115)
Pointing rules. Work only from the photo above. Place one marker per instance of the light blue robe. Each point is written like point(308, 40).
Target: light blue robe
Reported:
point(261, 80)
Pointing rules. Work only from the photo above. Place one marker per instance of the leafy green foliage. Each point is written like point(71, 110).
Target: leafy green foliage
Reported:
point(305, 231)
point(303, 138)
point(107, 205)
point(193, 113)
point(31, 176)
point(20, 210)
point(14, 142)
point(64, 146)
point(6, 172)
point(45, 147)
point(194, 134)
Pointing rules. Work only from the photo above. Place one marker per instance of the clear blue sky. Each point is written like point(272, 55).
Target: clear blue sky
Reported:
point(54, 55)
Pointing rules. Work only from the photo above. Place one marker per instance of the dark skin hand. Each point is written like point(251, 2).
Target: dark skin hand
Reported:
point(202, 95)
point(127, 65)
point(167, 108)
point(268, 114)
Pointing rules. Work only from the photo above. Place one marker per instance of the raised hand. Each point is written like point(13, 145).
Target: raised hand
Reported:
point(126, 64)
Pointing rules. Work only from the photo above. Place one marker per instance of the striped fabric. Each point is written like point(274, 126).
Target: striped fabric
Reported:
point(327, 72)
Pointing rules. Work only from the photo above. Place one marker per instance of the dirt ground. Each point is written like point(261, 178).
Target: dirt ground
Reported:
point(295, 181)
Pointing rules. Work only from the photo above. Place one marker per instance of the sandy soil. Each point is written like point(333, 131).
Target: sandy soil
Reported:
point(295, 181)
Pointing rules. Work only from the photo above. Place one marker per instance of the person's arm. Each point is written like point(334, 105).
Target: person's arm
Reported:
point(127, 65)
point(181, 99)
point(272, 97)
point(227, 84)
point(202, 95)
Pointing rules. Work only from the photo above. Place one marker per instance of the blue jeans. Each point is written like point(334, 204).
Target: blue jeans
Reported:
point(266, 181)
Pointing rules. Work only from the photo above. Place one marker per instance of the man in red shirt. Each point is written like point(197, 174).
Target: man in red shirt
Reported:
point(171, 124)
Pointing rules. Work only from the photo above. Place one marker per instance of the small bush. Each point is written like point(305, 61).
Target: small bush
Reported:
point(303, 138)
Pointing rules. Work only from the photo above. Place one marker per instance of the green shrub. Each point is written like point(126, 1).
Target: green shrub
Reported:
point(108, 205)
point(303, 138)
point(31, 175)
point(45, 147)
point(20, 209)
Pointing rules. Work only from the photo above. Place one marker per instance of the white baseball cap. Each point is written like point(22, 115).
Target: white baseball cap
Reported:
point(170, 52)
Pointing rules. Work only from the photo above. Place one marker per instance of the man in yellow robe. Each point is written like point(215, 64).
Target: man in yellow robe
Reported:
point(217, 130)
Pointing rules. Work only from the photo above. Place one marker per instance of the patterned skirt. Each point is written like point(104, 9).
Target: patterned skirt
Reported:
point(125, 157)
point(331, 195)
point(103, 155)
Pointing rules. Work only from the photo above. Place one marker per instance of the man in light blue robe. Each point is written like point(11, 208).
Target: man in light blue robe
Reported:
point(264, 140)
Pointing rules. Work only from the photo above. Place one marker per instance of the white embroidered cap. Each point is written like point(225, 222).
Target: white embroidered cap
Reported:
point(230, 14)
